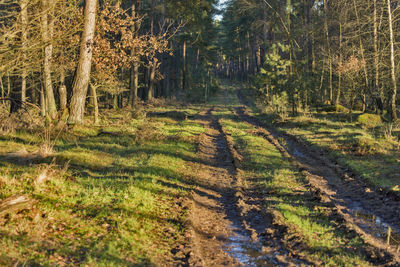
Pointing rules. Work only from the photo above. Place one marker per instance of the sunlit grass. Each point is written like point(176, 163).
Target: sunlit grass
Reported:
point(366, 151)
point(115, 205)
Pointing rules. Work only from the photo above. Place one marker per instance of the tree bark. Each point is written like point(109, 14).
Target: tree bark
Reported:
point(340, 63)
point(329, 51)
point(377, 91)
point(42, 103)
point(93, 90)
point(134, 71)
point(47, 34)
point(82, 77)
point(393, 109)
point(62, 91)
point(24, 39)
point(150, 92)
point(184, 67)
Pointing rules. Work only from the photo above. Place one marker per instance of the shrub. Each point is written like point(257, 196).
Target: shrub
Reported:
point(279, 105)
point(334, 108)
point(369, 120)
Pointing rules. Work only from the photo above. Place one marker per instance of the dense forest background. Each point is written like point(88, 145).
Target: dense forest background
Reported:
point(315, 52)
point(54, 52)
point(58, 55)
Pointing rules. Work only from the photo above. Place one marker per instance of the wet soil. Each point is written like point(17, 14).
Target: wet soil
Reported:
point(229, 226)
point(366, 210)
point(230, 222)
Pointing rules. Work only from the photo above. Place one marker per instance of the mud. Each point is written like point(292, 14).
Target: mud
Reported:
point(336, 185)
point(228, 224)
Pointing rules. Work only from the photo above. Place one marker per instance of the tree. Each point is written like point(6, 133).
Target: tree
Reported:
point(82, 77)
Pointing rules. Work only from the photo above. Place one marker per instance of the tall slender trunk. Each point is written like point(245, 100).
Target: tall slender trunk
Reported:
point(82, 77)
point(184, 66)
point(2, 89)
point(150, 92)
point(340, 63)
point(393, 109)
point(42, 102)
point(93, 91)
point(24, 39)
point(8, 85)
point(62, 90)
point(47, 34)
point(134, 71)
point(329, 51)
point(376, 53)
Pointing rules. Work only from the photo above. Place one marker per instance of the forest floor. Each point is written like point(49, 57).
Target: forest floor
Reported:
point(218, 186)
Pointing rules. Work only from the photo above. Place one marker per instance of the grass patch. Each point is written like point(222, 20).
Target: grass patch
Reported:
point(119, 201)
point(357, 141)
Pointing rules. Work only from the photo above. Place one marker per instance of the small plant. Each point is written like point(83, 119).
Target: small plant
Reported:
point(279, 105)
point(48, 132)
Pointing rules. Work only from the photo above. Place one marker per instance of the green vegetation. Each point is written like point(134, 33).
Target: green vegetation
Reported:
point(362, 142)
point(286, 191)
point(370, 120)
point(108, 196)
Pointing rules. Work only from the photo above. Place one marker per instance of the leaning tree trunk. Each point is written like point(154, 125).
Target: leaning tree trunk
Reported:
point(47, 32)
point(81, 80)
point(393, 65)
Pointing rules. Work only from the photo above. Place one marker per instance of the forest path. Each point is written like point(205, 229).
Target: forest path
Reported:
point(231, 224)
point(227, 220)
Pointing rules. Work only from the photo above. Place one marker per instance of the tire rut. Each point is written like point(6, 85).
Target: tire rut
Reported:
point(336, 186)
point(228, 223)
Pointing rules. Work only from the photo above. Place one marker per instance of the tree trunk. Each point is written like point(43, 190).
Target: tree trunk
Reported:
point(377, 91)
point(24, 39)
point(393, 109)
point(134, 71)
point(62, 91)
point(42, 103)
point(329, 51)
point(93, 90)
point(340, 63)
point(184, 67)
point(150, 91)
point(81, 81)
point(47, 34)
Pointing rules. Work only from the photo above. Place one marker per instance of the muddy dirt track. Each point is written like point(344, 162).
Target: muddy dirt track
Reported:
point(228, 223)
point(229, 226)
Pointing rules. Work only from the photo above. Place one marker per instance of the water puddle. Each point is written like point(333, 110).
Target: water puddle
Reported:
point(246, 252)
point(293, 150)
point(377, 227)
point(297, 153)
